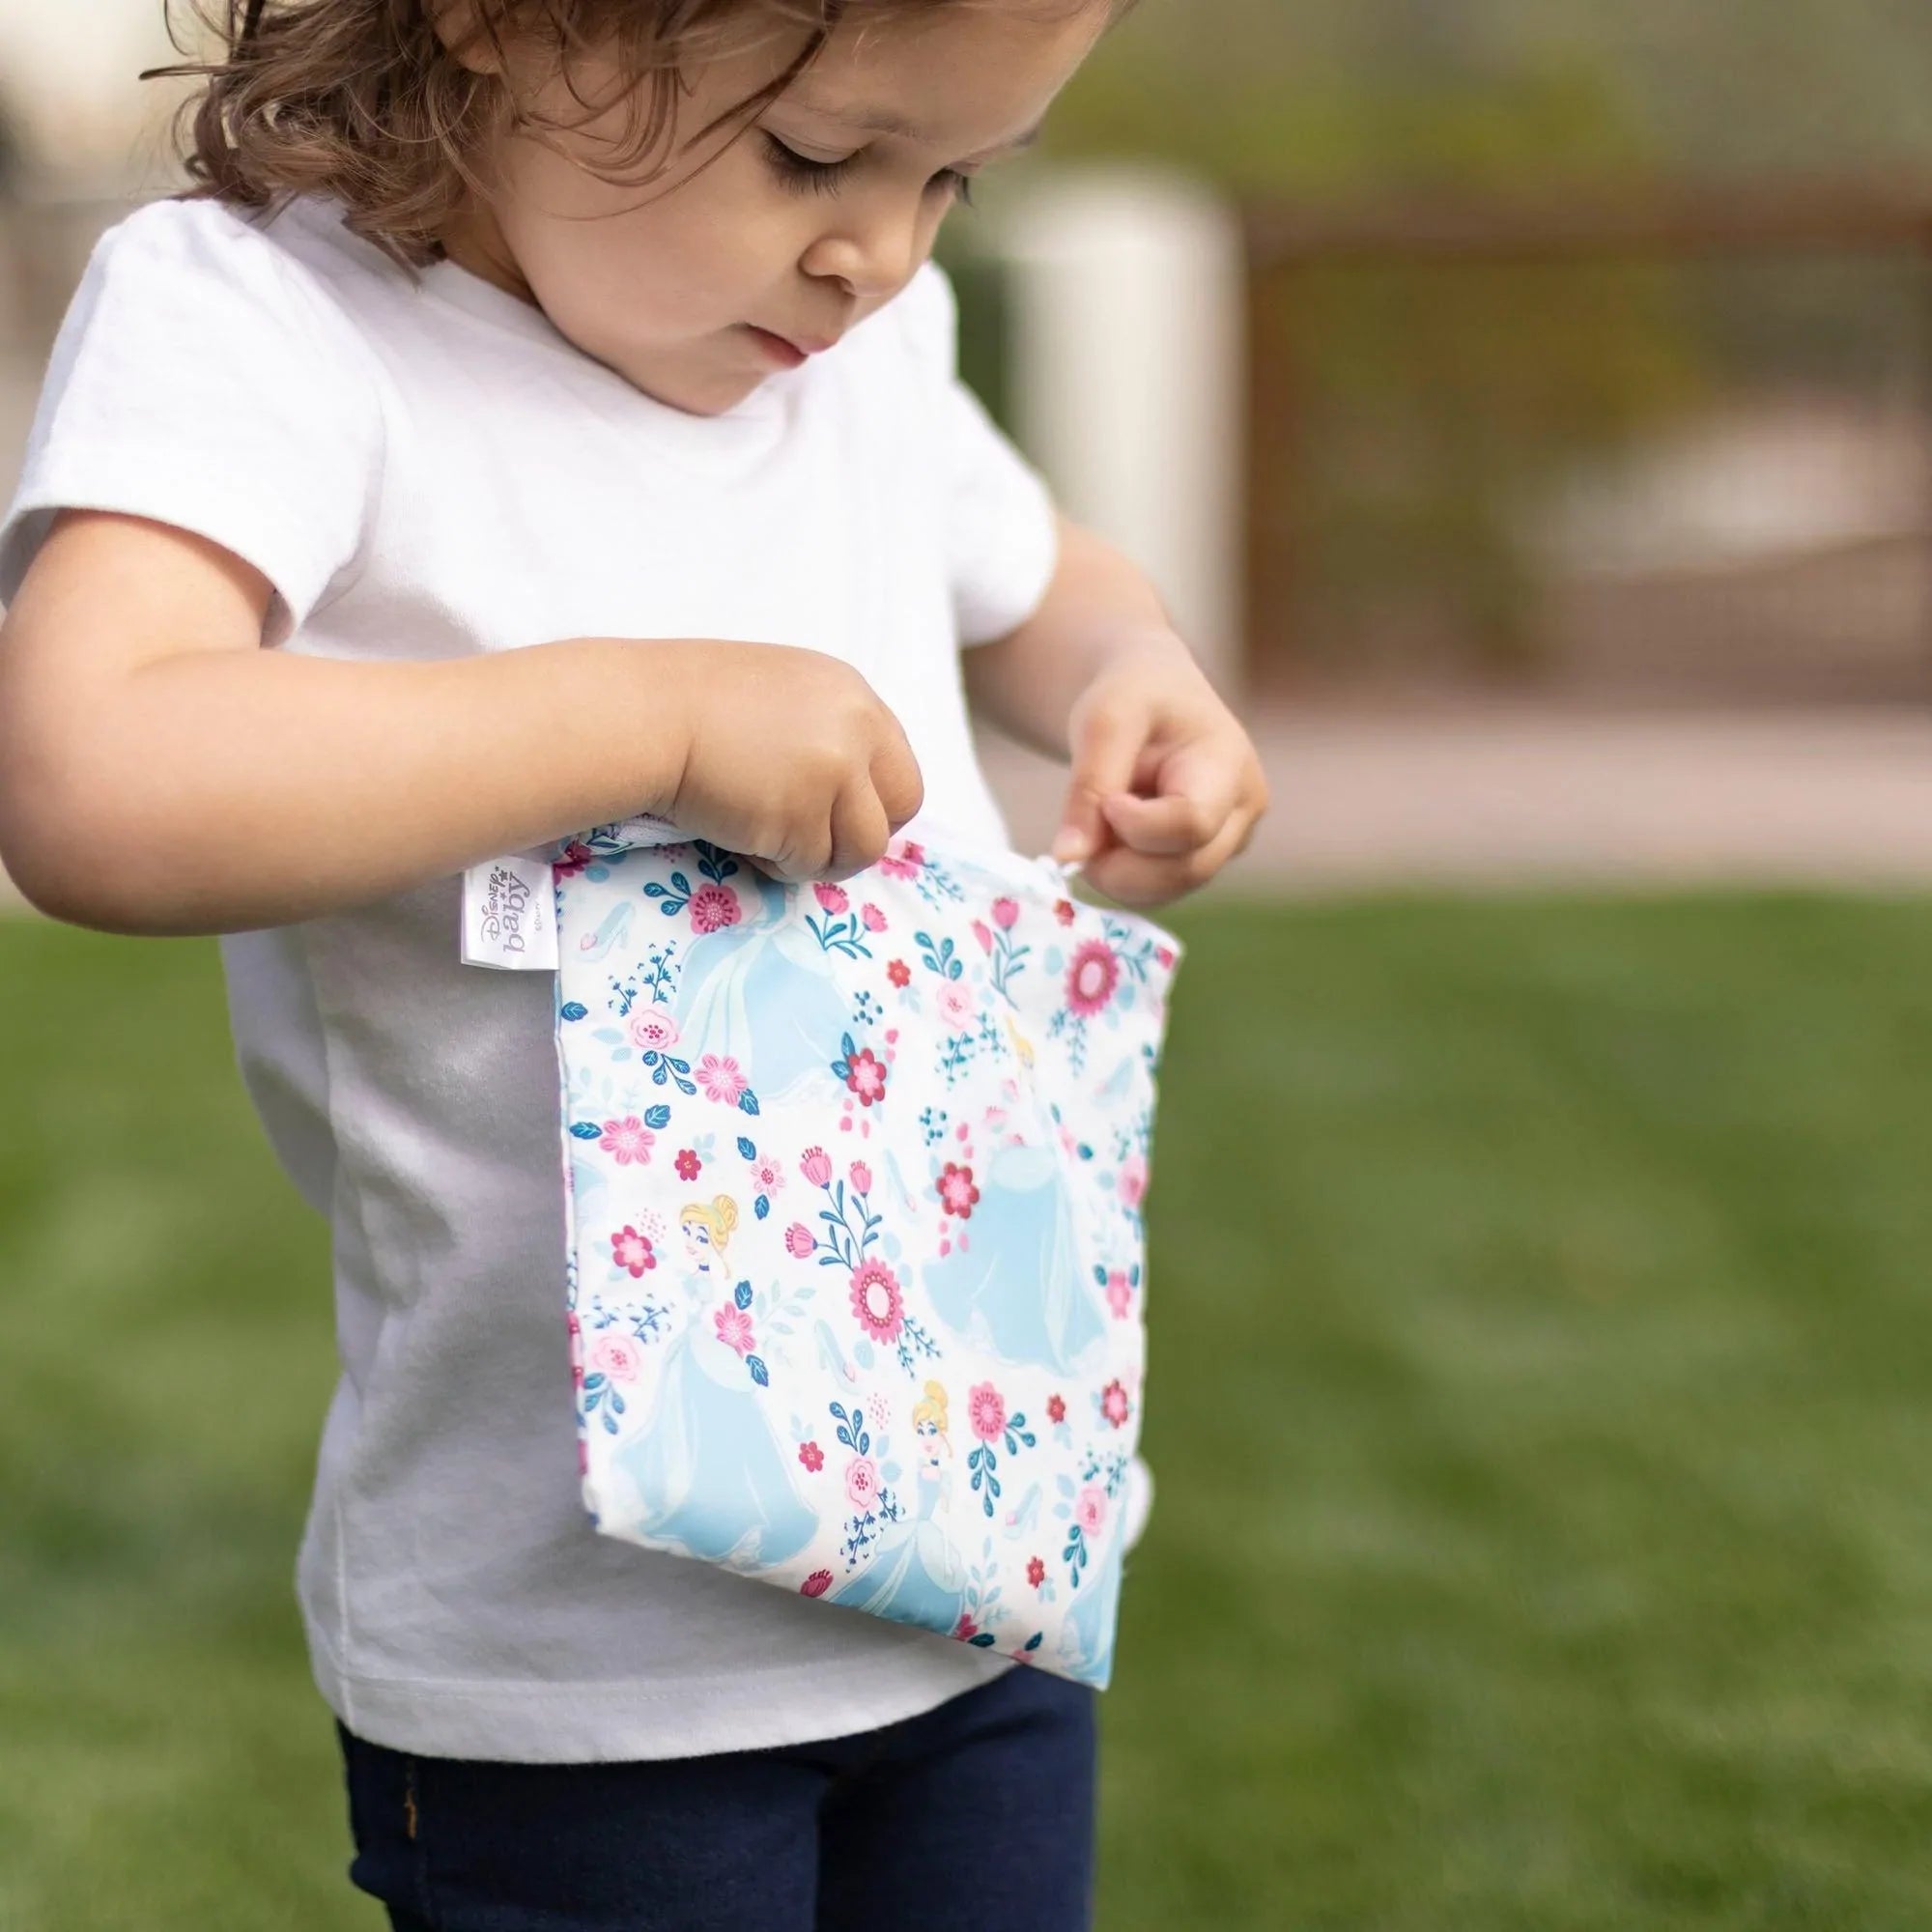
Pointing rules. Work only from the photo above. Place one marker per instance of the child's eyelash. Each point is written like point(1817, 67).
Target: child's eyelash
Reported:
point(804, 175)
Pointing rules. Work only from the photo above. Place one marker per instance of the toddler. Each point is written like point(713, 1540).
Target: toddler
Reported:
point(539, 412)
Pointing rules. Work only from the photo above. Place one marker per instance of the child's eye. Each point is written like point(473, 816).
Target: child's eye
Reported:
point(802, 174)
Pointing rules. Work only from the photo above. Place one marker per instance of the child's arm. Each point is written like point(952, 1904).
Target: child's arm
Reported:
point(1167, 786)
point(162, 773)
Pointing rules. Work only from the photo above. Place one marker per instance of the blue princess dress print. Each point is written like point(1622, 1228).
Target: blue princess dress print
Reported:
point(915, 1574)
point(756, 992)
point(855, 1270)
point(1018, 1292)
point(710, 1480)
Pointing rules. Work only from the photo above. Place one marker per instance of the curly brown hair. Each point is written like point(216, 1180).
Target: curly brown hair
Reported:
point(363, 100)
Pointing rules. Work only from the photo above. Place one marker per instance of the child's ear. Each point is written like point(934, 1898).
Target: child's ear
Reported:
point(469, 31)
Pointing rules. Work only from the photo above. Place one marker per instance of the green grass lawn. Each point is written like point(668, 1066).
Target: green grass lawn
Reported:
point(1542, 1409)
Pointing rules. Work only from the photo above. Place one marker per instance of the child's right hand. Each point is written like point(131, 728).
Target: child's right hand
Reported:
point(791, 758)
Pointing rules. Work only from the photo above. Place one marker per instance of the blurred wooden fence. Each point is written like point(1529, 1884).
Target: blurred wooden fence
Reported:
point(1682, 225)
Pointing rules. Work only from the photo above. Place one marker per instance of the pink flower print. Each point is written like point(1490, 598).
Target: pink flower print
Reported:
point(955, 1190)
point(722, 1078)
point(1165, 954)
point(903, 859)
point(1036, 1571)
point(1120, 1294)
point(815, 1166)
point(1133, 1178)
point(734, 1329)
point(713, 907)
point(967, 1629)
point(955, 1006)
point(878, 1301)
point(653, 1031)
point(816, 1585)
point(798, 1240)
point(874, 920)
point(689, 1166)
point(811, 1456)
point(1091, 978)
point(1006, 913)
point(832, 897)
point(899, 973)
point(1062, 911)
point(632, 1251)
point(987, 1409)
point(862, 1481)
point(576, 857)
point(866, 1076)
point(768, 1176)
point(1114, 1405)
point(627, 1140)
point(861, 1177)
point(1090, 1510)
point(1056, 1409)
point(616, 1357)
point(983, 933)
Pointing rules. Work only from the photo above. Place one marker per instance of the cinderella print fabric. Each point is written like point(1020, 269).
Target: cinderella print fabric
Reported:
point(856, 1272)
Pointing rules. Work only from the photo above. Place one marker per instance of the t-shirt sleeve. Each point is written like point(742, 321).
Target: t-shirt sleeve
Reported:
point(1002, 536)
point(202, 379)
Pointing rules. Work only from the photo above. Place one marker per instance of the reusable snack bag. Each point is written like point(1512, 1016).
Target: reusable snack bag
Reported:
point(856, 1271)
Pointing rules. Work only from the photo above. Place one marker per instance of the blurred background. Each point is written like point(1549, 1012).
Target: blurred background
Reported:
point(1527, 412)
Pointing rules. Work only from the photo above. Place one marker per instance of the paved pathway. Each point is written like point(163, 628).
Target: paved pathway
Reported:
point(1510, 797)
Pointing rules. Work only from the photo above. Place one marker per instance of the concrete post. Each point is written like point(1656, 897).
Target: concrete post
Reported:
point(1128, 362)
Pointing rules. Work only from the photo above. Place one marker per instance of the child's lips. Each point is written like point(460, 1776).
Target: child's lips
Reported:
point(776, 346)
point(792, 349)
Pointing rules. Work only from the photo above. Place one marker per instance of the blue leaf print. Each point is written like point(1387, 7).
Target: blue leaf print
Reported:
point(981, 1641)
point(742, 1294)
point(585, 1130)
point(575, 1010)
point(762, 1206)
point(657, 1117)
point(750, 1153)
point(1033, 1642)
point(760, 1372)
point(749, 1102)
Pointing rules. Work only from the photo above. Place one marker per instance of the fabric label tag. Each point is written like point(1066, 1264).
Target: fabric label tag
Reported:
point(509, 915)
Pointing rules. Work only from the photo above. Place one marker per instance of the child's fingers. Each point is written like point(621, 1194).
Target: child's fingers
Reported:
point(1166, 828)
point(1106, 748)
point(1142, 878)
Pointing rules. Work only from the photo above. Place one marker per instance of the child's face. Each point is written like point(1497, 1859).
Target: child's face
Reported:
point(666, 283)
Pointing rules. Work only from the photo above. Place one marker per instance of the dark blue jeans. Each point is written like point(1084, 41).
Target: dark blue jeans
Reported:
point(975, 1816)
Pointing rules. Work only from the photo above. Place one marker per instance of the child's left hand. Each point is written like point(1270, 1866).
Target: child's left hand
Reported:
point(1167, 786)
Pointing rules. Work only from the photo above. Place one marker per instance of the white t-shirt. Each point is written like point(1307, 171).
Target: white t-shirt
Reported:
point(429, 470)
